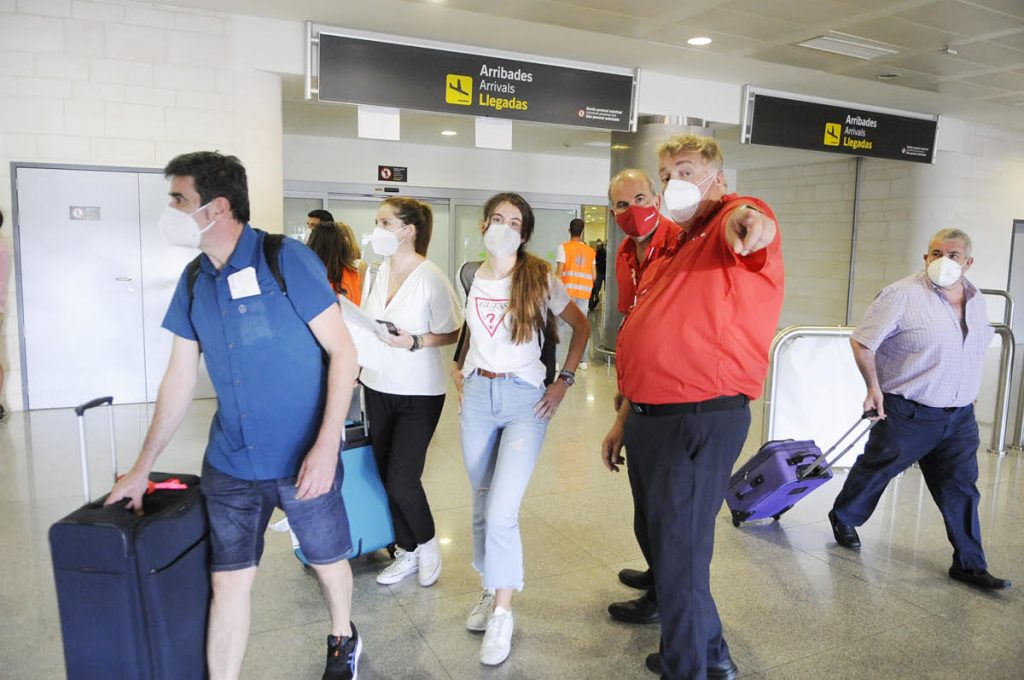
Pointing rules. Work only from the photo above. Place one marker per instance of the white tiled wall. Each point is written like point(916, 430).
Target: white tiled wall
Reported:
point(129, 84)
point(814, 206)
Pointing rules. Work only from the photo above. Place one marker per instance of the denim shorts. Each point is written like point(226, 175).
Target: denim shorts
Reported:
point(239, 511)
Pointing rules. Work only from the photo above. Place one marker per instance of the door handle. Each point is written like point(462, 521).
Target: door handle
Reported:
point(126, 279)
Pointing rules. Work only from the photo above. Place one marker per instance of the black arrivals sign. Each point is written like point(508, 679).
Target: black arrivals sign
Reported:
point(392, 173)
point(799, 124)
point(358, 71)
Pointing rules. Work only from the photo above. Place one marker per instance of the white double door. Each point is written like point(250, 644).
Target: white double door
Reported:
point(95, 279)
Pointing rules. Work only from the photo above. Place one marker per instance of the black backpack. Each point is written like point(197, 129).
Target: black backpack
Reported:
point(548, 339)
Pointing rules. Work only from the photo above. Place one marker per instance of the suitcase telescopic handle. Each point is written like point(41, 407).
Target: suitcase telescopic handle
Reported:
point(867, 415)
point(80, 412)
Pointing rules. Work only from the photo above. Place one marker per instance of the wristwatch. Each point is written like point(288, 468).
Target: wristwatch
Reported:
point(417, 343)
point(568, 376)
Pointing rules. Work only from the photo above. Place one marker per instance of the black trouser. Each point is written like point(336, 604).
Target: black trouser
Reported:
point(401, 428)
point(944, 442)
point(640, 530)
point(595, 294)
point(679, 466)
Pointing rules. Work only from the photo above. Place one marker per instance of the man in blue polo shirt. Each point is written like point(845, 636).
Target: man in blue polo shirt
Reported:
point(283, 366)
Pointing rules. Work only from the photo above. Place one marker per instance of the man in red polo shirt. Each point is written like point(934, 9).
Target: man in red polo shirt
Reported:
point(690, 356)
point(636, 205)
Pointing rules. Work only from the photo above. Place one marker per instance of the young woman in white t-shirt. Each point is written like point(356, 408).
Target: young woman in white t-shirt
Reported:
point(505, 406)
point(405, 396)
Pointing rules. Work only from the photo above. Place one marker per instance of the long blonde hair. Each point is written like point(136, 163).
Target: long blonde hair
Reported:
point(527, 308)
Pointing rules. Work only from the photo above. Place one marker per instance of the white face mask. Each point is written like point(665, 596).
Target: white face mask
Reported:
point(682, 197)
point(944, 272)
point(501, 240)
point(383, 242)
point(179, 229)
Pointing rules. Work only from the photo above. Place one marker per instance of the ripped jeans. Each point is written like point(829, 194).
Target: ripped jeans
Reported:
point(501, 441)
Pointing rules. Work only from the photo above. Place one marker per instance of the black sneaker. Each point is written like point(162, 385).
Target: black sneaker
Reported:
point(343, 656)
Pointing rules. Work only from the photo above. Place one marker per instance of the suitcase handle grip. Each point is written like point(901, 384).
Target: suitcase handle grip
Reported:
point(757, 481)
point(98, 401)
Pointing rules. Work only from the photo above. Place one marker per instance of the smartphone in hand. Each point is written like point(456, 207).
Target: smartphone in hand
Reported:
point(392, 329)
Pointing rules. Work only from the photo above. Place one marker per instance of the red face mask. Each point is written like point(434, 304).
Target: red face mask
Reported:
point(638, 220)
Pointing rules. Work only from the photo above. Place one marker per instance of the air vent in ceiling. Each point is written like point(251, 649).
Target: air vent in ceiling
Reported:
point(848, 45)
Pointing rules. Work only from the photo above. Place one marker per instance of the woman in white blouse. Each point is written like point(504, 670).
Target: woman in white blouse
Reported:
point(414, 300)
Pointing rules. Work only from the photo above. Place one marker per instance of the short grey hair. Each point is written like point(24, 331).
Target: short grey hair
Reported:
point(632, 173)
point(953, 234)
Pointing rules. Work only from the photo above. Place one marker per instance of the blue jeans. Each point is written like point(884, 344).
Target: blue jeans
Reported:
point(239, 511)
point(944, 442)
point(501, 441)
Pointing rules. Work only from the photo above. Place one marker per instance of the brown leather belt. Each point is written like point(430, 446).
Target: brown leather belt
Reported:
point(492, 375)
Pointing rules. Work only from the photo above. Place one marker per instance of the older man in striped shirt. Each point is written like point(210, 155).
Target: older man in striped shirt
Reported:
point(920, 349)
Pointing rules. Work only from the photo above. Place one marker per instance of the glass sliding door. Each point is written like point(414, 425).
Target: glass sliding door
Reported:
point(295, 211)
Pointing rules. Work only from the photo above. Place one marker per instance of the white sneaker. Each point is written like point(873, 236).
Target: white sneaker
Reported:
point(429, 562)
point(406, 564)
point(481, 613)
point(583, 366)
point(498, 639)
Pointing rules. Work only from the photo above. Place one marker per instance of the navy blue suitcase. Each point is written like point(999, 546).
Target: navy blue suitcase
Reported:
point(366, 501)
point(134, 592)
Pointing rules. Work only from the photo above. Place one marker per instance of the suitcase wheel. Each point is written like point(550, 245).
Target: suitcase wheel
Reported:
point(739, 516)
point(780, 513)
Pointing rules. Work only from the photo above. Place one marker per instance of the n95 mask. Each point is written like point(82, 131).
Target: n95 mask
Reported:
point(179, 229)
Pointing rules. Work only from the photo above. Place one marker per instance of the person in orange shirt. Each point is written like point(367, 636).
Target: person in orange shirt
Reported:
point(576, 266)
point(334, 245)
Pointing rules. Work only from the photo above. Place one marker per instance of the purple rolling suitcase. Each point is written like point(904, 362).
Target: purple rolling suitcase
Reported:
point(781, 473)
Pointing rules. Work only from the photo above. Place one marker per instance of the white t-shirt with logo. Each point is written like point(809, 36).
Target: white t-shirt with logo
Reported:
point(424, 303)
point(490, 346)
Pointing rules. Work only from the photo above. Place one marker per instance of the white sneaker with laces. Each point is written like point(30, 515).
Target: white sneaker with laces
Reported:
point(430, 562)
point(406, 564)
point(481, 613)
point(497, 642)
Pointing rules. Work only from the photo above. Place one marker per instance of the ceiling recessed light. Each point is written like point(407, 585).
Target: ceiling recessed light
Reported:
point(887, 76)
point(449, 133)
point(699, 40)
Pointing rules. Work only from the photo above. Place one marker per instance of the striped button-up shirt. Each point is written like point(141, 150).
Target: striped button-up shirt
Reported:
point(921, 351)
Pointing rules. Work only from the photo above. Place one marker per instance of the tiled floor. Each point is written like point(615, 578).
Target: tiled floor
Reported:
point(794, 604)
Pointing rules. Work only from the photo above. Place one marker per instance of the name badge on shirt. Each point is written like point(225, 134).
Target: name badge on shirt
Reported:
point(243, 283)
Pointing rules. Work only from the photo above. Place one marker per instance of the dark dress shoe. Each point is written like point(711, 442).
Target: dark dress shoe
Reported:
point(980, 578)
point(640, 610)
point(723, 669)
point(634, 578)
point(846, 535)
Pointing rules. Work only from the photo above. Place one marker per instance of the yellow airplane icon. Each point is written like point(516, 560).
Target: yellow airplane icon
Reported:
point(833, 132)
point(458, 89)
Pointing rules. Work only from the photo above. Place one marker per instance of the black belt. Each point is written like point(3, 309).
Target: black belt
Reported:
point(688, 408)
point(947, 409)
